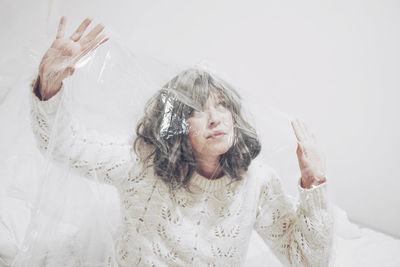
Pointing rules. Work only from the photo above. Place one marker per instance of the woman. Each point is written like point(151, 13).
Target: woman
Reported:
point(189, 188)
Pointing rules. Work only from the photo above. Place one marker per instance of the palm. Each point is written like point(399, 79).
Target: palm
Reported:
point(311, 159)
point(60, 59)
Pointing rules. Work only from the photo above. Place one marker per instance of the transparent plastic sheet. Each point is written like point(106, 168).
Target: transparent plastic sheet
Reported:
point(73, 221)
point(68, 220)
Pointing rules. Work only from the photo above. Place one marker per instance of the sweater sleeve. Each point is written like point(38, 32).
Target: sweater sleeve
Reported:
point(66, 141)
point(301, 237)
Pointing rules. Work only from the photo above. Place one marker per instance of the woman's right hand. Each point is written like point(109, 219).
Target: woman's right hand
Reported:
point(60, 59)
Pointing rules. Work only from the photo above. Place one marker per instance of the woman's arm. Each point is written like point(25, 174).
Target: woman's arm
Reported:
point(59, 137)
point(66, 141)
point(301, 237)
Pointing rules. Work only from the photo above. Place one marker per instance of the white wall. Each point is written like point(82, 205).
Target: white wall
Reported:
point(334, 64)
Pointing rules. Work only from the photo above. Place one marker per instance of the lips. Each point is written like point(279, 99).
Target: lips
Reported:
point(216, 134)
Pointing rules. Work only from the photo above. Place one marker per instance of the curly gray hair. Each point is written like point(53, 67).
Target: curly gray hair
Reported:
point(164, 128)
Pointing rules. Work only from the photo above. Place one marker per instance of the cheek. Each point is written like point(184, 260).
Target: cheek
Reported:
point(228, 121)
point(195, 136)
point(195, 128)
point(195, 142)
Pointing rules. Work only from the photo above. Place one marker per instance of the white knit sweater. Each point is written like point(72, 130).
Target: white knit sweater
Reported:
point(210, 226)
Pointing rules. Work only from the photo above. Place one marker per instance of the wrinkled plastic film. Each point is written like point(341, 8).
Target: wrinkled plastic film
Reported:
point(73, 209)
point(68, 215)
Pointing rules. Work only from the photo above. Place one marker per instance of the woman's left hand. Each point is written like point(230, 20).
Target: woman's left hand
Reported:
point(311, 160)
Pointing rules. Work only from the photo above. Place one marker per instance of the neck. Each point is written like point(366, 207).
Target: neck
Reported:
point(209, 167)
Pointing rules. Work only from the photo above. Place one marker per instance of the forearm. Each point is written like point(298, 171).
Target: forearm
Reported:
point(299, 237)
point(64, 140)
point(315, 225)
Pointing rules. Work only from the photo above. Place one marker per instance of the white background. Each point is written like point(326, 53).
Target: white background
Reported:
point(334, 64)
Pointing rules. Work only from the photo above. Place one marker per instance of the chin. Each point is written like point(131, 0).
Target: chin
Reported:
point(219, 149)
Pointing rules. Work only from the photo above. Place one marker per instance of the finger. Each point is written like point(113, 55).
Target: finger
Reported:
point(298, 151)
point(90, 47)
point(305, 130)
point(104, 40)
point(80, 30)
point(68, 71)
point(297, 131)
point(322, 180)
point(71, 70)
point(302, 129)
point(92, 34)
point(310, 134)
point(61, 27)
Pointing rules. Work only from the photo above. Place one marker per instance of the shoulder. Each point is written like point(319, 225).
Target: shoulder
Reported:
point(266, 180)
point(261, 172)
point(261, 177)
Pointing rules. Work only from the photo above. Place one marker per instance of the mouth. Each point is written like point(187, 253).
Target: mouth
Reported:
point(215, 135)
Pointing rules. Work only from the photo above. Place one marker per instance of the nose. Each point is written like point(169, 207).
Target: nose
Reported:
point(214, 119)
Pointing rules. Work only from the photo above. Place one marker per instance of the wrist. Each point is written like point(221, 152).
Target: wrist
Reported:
point(43, 90)
point(311, 182)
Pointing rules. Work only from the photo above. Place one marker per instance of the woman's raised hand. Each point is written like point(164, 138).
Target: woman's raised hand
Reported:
point(60, 59)
point(311, 160)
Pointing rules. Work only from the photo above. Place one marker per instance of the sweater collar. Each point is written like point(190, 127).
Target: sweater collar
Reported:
point(209, 185)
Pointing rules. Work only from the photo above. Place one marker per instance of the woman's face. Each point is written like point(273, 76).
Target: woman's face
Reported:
point(211, 130)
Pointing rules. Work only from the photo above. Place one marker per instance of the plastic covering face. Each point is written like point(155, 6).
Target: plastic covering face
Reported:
point(116, 116)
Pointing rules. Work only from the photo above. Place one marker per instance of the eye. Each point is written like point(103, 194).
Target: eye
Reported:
point(222, 104)
point(195, 113)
